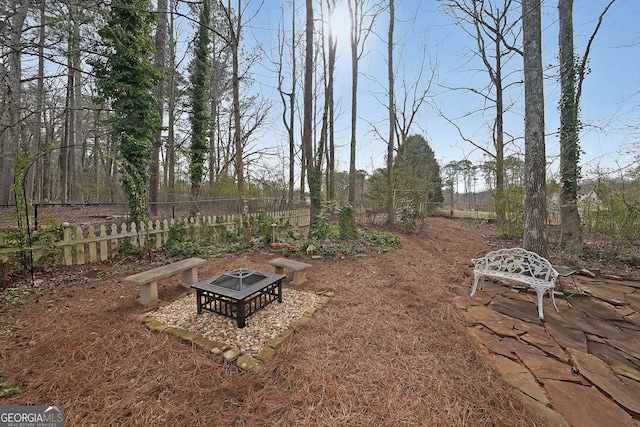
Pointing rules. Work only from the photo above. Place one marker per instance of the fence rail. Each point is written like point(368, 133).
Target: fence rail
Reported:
point(80, 246)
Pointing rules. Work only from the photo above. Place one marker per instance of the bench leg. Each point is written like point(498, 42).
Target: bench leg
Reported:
point(299, 277)
point(476, 278)
point(278, 270)
point(149, 293)
point(553, 300)
point(189, 277)
point(540, 293)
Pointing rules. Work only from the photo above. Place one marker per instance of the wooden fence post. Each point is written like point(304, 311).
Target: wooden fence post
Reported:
point(104, 254)
point(93, 252)
point(80, 246)
point(66, 250)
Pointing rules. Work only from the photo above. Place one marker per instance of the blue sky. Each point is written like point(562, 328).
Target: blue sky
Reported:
point(427, 40)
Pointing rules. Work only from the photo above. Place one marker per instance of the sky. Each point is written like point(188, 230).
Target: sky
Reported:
point(432, 50)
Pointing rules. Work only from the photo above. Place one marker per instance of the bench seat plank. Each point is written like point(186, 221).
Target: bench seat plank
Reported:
point(298, 268)
point(148, 280)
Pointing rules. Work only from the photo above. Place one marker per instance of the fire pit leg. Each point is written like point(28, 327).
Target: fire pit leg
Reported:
point(240, 313)
point(199, 300)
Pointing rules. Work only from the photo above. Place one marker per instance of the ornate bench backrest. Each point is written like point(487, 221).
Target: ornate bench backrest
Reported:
point(519, 261)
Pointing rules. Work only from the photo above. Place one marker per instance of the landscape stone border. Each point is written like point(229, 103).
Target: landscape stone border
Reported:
point(225, 352)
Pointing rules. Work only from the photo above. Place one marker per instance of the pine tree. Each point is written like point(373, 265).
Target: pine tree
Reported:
point(417, 171)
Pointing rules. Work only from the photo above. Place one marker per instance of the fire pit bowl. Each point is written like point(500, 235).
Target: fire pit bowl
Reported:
point(239, 293)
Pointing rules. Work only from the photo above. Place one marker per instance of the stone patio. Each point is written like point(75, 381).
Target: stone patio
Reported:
point(581, 366)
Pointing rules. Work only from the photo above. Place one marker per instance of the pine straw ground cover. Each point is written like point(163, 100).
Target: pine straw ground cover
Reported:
point(389, 349)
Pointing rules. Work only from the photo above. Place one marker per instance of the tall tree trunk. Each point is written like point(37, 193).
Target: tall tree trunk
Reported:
point(199, 73)
point(303, 166)
point(354, 104)
point(171, 107)
point(391, 212)
point(570, 228)
point(160, 63)
point(331, 159)
point(35, 190)
point(501, 203)
point(97, 153)
point(215, 94)
point(292, 105)
point(313, 180)
point(11, 145)
point(239, 163)
point(65, 151)
point(288, 101)
point(77, 137)
point(535, 202)
point(46, 160)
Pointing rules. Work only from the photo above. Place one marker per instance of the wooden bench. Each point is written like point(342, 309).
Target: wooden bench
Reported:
point(518, 265)
point(298, 268)
point(148, 280)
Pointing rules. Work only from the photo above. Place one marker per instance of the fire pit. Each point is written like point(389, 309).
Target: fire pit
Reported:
point(239, 293)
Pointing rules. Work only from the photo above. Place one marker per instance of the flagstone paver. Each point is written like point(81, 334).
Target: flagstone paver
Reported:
point(620, 364)
point(629, 346)
point(544, 368)
point(586, 406)
point(601, 375)
point(595, 308)
point(547, 415)
point(492, 342)
point(580, 367)
point(520, 377)
point(513, 308)
point(608, 294)
point(567, 337)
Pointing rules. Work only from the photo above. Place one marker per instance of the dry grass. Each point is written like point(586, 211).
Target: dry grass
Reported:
point(389, 349)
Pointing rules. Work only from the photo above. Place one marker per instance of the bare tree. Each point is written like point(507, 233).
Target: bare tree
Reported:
point(330, 103)
point(288, 98)
point(160, 62)
point(363, 14)
point(12, 124)
point(535, 200)
point(494, 28)
point(35, 176)
point(313, 178)
point(391, 212)
point(235, 30)
point(170, 168)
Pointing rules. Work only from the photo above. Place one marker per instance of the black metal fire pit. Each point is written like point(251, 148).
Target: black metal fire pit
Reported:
point(239, 293)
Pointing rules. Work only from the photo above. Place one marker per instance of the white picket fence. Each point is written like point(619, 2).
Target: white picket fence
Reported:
point(80, 247)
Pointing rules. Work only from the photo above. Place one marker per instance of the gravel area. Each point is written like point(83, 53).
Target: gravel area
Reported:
point(261, 327)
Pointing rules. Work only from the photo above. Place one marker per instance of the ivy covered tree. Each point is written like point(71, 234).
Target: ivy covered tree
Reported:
point(200, 71)
point(126, 78)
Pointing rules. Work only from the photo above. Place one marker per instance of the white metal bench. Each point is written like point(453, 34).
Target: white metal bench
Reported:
point(298, 268)
point(518, 265)
point(148, 280)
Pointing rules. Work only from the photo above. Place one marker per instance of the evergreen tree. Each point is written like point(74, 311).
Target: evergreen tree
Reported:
point(417, 171)
point(126, 79)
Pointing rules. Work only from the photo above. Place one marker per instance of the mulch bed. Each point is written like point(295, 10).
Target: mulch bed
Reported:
point(388, 349)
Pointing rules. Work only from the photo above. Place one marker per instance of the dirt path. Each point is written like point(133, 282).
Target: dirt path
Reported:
point(388, 349)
